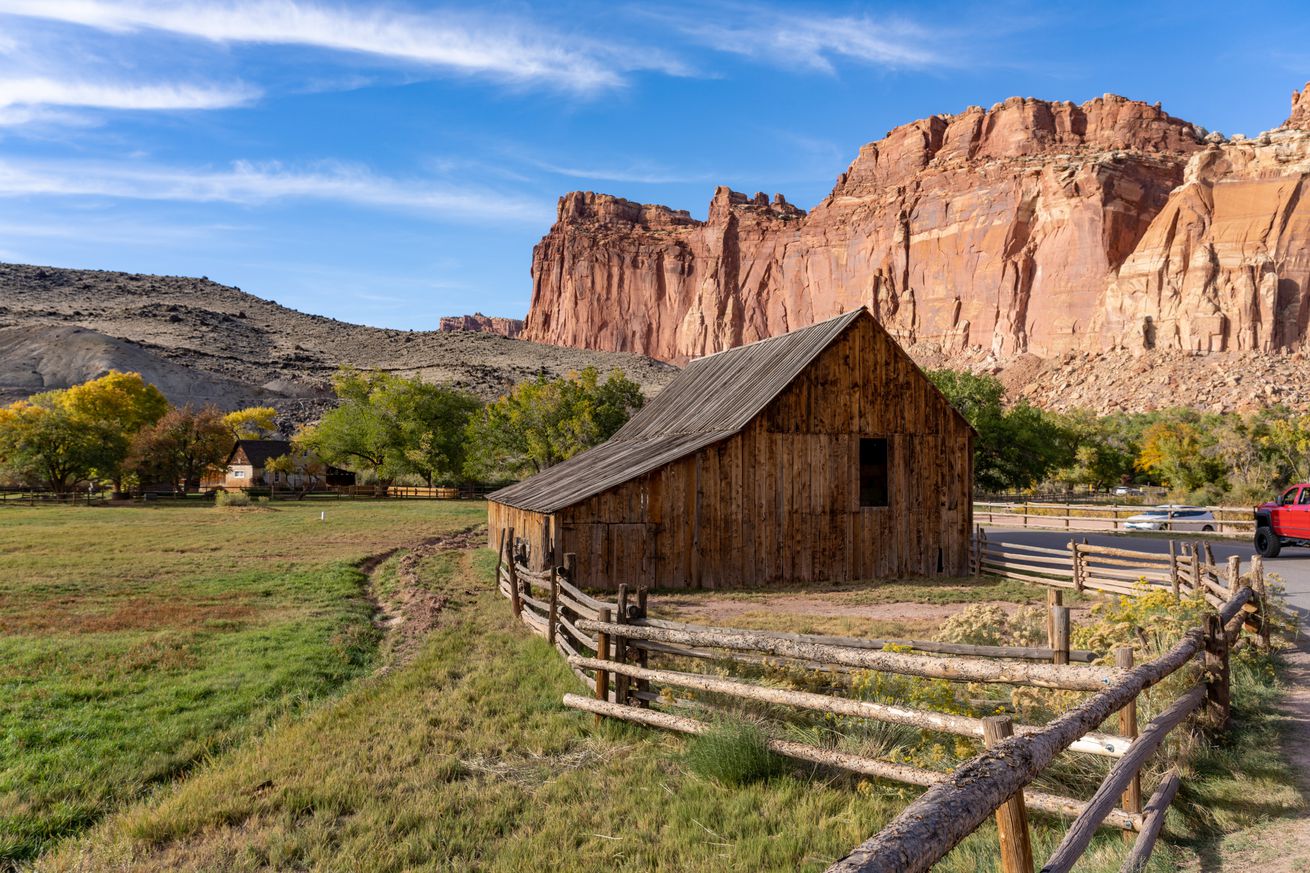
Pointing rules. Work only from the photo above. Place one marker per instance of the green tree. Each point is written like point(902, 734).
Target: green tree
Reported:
point(1285, 438)
point(1017, 447)
point(181, 447)
point(42, 443)
point(1103, 450)
point(544, 421)
point(389, 426)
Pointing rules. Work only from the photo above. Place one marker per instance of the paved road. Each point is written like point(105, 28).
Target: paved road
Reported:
point(1293, 565)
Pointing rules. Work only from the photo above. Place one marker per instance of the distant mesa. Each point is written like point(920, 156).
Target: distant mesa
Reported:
point(479, 323)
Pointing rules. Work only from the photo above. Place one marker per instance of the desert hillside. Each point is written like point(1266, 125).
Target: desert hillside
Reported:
point(1105, 254)
point(200, 341)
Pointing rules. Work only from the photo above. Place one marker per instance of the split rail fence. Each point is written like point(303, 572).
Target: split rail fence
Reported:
point(609, 645)
point(1091, 517)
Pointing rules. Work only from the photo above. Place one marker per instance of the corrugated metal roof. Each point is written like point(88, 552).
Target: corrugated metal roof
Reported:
point(712, 399)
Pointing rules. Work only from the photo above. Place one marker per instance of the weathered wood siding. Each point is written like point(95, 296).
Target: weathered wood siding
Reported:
point(779, 501)
point(536, 529)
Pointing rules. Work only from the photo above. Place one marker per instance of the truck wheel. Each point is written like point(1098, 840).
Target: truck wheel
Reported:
point(1209, 528)
point(1266, 543)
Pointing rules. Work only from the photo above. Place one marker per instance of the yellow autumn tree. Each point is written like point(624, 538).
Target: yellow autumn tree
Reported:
point(252, 423)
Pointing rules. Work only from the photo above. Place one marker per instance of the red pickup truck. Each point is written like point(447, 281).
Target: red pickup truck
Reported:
point(1283, 522)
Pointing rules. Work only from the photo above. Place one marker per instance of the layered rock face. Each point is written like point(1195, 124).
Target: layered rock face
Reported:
point(1031, 228)
point(479, 323)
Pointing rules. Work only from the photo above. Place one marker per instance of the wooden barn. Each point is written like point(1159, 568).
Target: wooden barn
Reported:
point(820, 455)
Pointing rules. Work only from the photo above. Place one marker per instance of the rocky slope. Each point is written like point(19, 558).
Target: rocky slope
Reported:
point(1036, 237)
point(205, 342)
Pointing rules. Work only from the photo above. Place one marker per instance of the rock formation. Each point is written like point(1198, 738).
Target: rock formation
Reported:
point(479, 323)
point(1028, 229)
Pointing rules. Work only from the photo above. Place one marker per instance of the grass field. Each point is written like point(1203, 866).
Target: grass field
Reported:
point(136, 642)
point(261, 753)
point(465, 760)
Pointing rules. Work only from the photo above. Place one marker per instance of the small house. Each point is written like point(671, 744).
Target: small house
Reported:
point(246, 468)
point(820, 455)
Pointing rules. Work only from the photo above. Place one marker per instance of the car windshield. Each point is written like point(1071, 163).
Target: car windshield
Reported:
point(1156, 513)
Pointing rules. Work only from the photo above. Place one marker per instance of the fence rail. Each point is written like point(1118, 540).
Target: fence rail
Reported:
point(609, 644)
point(1091, 517)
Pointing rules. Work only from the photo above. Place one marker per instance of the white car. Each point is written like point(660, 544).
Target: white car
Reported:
point(1173, 517)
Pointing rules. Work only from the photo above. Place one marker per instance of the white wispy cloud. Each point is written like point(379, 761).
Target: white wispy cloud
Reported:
point(34, 91)
point(514, 50)
point(641, 174)
point(255, 184)
point(814, 41)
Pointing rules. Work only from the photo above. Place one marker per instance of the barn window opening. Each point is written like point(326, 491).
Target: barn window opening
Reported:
point(873, 472)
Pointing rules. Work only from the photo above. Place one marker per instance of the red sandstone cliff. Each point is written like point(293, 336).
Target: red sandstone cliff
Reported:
point(479, 323)
point(1031, 228)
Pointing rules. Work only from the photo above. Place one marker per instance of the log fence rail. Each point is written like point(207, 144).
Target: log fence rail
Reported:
point(609, 644)
point(1094, 517)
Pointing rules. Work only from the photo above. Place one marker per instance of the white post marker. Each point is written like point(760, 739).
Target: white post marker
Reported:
point(322, 516)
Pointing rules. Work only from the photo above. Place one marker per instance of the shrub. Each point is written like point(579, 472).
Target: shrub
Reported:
point(733, 753)
point(984, 624)
point(231, 498)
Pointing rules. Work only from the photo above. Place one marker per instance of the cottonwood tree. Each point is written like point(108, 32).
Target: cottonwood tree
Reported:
point(252, 423)
point(1016, 447)
point(544, 421)
point(41, 443)
point(388, 426)
point(117, 406)
point(181, 447)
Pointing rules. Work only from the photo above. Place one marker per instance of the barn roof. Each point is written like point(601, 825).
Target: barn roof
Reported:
point(259, 452)
point(712, 399)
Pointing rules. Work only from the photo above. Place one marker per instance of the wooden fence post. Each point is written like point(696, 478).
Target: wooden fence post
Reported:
point(553, 622)
point(1173, 570)
point(1132, 796)
point(643, 656)
point(1197, 585)
point(602, 654)
point(1216, 673)
point(1054, 598)
point(977, 550)
point(621, 647)
point(1209, 553)
point(571, 568)
point(1060, 651)
point(515, 594)
point(1011, 816)
point(1078, 568)
point(1234, 575)
point(1262, 592)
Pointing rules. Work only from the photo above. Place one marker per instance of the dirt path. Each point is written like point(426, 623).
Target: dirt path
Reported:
point(408, 610)
point(1283, 845)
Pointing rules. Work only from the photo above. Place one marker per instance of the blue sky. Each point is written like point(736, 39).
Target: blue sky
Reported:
point(390, 163)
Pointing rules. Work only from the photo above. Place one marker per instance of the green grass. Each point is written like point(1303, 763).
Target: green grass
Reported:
point(733, 752)
point(466, 760)
point(137, 642)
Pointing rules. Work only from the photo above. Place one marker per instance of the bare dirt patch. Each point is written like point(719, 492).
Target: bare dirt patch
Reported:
point(408, 611)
